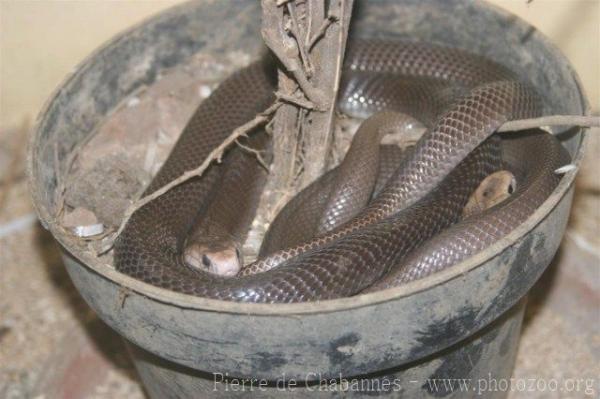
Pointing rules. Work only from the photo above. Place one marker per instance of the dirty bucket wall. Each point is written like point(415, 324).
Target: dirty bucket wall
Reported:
point(483, 359)
point(409, 331)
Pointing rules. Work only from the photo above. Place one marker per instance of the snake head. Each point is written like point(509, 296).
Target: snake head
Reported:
point(222, 260)
point(492, 190)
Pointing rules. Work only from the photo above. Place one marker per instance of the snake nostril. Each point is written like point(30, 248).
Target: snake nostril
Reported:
point(206, 260)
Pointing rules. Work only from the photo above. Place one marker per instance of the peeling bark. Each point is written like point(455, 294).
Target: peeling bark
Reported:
point(308, 37)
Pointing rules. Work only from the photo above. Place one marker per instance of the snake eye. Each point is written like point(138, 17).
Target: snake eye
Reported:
point(206, 261)
point(238, 253)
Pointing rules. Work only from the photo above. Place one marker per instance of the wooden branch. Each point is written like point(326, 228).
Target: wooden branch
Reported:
point(321, 32)
point(308, 39)
point(294, 100)
point(327, 44)
point(277, 39)
point(215, 155)
point(552, 120)
point(257, 153)
point(297, 30)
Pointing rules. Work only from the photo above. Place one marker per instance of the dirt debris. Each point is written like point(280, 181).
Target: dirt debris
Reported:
point(113, 168)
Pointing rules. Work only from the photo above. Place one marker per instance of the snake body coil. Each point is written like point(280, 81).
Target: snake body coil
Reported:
point(376, 242)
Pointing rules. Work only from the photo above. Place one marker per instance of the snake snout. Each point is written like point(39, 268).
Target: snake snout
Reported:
point(492, 190)
point(223, 262)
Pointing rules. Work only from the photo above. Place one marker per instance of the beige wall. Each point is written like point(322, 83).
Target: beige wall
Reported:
point(41, 41)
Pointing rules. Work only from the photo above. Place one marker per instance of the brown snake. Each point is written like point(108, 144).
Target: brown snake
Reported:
point(344, 240)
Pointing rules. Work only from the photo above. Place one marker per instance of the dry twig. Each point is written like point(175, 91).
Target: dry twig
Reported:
point(215, 155)
point(257, 153)
point(552, 120)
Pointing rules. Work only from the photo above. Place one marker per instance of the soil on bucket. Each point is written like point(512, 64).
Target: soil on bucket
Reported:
point(111, 169)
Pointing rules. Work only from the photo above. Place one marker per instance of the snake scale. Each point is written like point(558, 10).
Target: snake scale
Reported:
point(336, 238)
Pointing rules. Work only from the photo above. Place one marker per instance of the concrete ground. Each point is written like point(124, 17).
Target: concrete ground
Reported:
point(53, 346)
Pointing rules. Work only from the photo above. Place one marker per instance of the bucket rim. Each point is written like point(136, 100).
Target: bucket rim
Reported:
point(185, 301)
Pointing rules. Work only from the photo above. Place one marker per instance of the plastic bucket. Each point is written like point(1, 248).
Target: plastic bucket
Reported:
point(463, 322)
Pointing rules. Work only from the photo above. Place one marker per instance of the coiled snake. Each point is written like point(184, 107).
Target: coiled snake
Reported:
point(336, 238)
